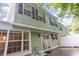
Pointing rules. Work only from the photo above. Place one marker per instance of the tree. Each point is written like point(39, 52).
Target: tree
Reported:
point(75, 25)
point(73, 9)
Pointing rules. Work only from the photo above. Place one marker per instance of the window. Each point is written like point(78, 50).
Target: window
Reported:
point(14, 47)
point(15, 41)
point(61, 28)
point(15, 35)
point(27, 10)
point(56, 25)
point(27, 7)
point(54, 36)
point(20, 8)
point(51, 22)
point(14, 44)
point(26, 41)
point(41, 16)
point(3, 37)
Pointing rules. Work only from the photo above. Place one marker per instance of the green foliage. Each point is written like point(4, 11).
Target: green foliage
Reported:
point(75, 25)
point(74, 9)
point(39, 5)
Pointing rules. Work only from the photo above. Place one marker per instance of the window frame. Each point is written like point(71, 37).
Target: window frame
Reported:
point(19, 41)
point(17, 53)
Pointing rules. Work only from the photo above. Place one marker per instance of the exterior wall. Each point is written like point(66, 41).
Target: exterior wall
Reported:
point(32, 22)
point(14, 16)
point(26, 20)
point(36, 41)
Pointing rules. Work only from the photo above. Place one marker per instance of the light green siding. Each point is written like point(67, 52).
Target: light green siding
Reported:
point(36, 41)
point(26, 20)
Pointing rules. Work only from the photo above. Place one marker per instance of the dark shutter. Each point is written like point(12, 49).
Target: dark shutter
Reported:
point(20, 8)
point(33, 12)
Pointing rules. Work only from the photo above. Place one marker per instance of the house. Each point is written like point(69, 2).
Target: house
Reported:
point(28, 28)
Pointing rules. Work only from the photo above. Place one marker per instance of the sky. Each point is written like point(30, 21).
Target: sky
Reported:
point(66, 21)
point(3, 11)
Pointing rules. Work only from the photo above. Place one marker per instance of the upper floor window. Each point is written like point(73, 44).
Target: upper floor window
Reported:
point(27, 10)
point(20, 8)
point(41, 17)
point(27, 7)
point(44, 18)
point(51, 22)
point(56, 25)
point(61, 28)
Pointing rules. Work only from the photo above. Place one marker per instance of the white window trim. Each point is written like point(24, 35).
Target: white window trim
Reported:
point(23, 25)
point(41, 41)
point(22, 42)
point(23, 8)
point(6, 45)
point(50, 40)
point(30, 44)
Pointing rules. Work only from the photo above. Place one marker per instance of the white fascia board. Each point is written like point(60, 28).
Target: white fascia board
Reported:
point(19, 24)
